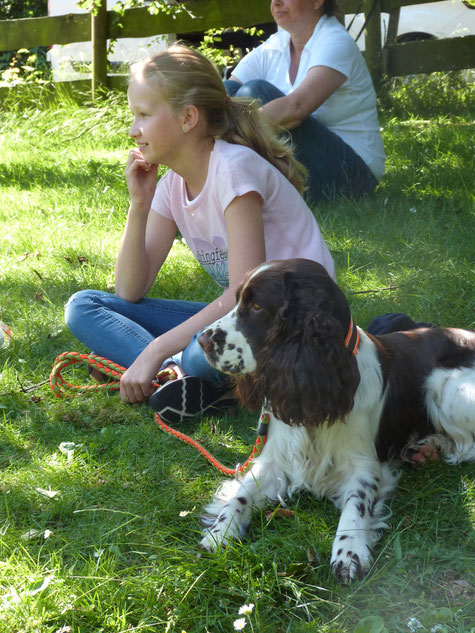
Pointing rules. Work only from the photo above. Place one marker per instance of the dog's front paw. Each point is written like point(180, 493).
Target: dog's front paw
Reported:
point(351, 558)
point(210, 543)
point(222, 529)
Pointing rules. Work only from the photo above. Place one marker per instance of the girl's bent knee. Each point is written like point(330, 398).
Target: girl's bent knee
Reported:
point(78, 304)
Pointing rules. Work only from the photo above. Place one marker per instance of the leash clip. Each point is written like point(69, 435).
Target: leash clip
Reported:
point(264, 419)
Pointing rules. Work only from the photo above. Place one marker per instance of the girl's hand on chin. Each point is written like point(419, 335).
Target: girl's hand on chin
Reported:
point(141, 179)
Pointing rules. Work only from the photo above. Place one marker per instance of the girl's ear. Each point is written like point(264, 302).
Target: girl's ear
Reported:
point(190, 117)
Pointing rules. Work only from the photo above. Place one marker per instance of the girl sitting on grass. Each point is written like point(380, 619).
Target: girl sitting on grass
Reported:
point(233, 191)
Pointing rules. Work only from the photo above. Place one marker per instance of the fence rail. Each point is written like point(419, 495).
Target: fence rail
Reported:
point(395, 59)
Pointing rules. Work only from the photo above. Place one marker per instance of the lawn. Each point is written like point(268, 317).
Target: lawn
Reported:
point(99, 509)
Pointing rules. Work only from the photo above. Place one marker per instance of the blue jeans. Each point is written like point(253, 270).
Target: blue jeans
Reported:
point(394, 322)
point(120, 330)
point(333, 166)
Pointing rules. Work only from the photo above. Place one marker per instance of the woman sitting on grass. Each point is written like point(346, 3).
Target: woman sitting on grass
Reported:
point(233, 192)
point(312, 80)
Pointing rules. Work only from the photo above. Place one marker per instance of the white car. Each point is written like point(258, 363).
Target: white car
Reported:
point(73, 61)
point(451, 18)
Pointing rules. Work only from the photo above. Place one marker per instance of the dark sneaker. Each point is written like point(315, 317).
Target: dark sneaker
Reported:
point(187, 397)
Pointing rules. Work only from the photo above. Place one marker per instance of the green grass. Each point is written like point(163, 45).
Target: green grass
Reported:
point(115, 549)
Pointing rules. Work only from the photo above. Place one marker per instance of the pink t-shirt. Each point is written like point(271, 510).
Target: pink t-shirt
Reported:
point(290, 230)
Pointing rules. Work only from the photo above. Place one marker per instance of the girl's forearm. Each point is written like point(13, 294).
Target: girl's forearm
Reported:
point(178, 338)
point(131, 268)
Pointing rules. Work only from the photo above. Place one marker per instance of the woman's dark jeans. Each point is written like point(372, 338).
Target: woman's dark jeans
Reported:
point(334, 167)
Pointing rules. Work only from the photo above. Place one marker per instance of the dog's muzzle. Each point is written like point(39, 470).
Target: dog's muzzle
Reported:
point(227, 349)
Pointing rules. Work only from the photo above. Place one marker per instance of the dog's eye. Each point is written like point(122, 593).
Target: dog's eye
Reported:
point(256, 307)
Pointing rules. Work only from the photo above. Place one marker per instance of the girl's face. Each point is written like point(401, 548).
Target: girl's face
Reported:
point(293, 13)
point(156, 128)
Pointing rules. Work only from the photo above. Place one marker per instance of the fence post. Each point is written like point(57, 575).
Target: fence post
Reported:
point(373, 49)
point(99, 46)
point(393, 24)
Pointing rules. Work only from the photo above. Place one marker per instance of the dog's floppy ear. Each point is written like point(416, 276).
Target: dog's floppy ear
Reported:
point(304, 368)
point(248, 390)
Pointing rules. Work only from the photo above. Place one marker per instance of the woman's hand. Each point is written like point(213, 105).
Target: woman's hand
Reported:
point(136, 382)
point(319, 84)
point(141, 179)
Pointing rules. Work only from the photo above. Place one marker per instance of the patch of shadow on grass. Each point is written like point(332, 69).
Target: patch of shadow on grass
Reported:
point(12, 456)
point(76, 174)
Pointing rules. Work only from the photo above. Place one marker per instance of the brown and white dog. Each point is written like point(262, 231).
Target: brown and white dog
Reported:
point(346, 407)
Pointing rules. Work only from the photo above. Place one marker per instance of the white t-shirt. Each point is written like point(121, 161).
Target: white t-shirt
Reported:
point(290, 229)
point(350, 111)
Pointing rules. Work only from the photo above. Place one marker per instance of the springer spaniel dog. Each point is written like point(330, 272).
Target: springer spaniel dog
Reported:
point(345, 406)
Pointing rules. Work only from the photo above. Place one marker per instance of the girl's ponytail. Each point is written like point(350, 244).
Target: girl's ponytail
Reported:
point(246, 125)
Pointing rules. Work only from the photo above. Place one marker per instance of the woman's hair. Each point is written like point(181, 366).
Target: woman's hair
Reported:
point(329, 7)
point(186, 77)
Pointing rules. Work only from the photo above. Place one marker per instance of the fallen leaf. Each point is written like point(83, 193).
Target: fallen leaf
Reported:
point(313, 558)
point(67, 448)
point(185, 513)
point(31, 534)
point(461, 588)
point(39, 587)
point(279, 513)
point(51, 494)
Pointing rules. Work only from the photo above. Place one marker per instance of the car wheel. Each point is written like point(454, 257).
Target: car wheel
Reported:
point(415, 36)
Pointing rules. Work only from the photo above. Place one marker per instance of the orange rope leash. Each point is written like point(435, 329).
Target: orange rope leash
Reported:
point(62, 388)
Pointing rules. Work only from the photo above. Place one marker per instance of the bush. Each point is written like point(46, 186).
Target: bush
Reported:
point(10, 9)
point(26, 64)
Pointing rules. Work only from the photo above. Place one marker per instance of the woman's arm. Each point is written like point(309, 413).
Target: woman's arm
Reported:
point(319, 84)
point(246, 249)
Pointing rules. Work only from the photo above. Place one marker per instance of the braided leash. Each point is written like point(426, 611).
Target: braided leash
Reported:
point(113, 371)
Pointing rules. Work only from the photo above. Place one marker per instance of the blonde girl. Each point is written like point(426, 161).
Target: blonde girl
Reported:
point(232, 190)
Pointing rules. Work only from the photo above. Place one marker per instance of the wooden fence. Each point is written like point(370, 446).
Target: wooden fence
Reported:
point(394, 59)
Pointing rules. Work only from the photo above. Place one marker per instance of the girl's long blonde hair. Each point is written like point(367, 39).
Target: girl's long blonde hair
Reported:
point(186, 77)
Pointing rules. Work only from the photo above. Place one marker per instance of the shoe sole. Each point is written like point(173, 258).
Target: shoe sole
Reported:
point(186, 398)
